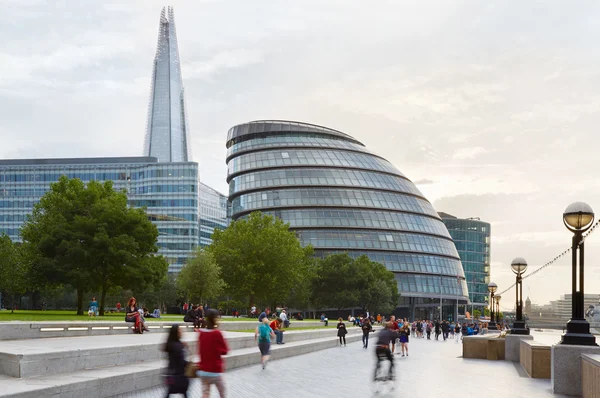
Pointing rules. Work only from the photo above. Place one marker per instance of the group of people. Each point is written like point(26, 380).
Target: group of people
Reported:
point(195, 314)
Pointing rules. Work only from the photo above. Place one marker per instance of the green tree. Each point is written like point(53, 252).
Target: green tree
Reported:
point(200, 278)
point(336, 283)
point(261, 259)
point(13, 270)
point(476, 314)
point(342, 282)
point(87, 237)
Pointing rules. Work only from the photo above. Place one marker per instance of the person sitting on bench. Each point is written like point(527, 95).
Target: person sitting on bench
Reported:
point(192, 316)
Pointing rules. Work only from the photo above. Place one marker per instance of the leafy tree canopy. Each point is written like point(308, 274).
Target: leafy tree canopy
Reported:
point(261, 259)
point(200, 279)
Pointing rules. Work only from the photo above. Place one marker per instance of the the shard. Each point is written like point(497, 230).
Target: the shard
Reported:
point(167, 129)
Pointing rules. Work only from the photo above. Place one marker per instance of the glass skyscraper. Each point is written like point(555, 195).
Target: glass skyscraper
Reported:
point(169, 191)
point(213, 213)
point(340, 197)
point(472, 239)
point(167, 129)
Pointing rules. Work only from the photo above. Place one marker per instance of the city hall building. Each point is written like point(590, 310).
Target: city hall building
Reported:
point(340, 197)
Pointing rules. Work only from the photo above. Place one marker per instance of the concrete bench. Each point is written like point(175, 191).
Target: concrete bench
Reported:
point(590, 375)
point(536, 359)
point(36, 330)
point(488, 347)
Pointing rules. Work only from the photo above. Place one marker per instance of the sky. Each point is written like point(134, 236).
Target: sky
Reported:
point(491, 108)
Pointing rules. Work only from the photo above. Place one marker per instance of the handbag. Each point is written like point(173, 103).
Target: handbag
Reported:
point(190, 370)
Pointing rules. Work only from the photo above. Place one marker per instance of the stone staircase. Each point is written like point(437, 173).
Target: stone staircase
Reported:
point(105, 366)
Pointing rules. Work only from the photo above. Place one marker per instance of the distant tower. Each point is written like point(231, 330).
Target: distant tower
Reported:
point(528, 306)
point(167, 129)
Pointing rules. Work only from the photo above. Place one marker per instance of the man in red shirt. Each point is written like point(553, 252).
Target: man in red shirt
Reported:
point(395, 329)
point(276, 326)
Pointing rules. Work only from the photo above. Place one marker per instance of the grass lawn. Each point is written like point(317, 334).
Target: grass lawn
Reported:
point(39, 316)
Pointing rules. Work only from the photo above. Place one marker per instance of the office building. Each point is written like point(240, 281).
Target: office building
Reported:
point(169, 191)
point(213, 213)
point(563, 307)
point(167, 129)
point(340, 197)
point(472, 239)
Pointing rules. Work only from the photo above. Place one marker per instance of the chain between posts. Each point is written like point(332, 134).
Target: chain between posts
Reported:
point(555, 258)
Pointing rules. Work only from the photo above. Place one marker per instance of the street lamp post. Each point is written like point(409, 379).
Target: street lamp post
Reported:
point(578, 218)
point(498, 297)
point(519, 266)
point(492, 287)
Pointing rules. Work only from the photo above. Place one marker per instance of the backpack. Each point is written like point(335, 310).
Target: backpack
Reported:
point(264, 333)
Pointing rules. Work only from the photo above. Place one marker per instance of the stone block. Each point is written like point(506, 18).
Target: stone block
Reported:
point(483, 347)
point(535, 358)
point(566, 368)
point(512, 349)
point(590, 376)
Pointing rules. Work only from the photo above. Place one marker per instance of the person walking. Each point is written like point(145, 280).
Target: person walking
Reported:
point(176, 380)
point(211, 348)
point(263, 335)
point(437, 329)
point(428, 329)
point(445, 329)
point(341, 331)
point(366, 329)
point(404, 333)
point(394, 328)
point(457, 332)
point(276, 326)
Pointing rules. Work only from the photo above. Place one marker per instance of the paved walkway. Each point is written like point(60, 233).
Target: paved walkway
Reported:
point(433, 369)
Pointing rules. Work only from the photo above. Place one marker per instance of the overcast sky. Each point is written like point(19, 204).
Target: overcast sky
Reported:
point(492, 108)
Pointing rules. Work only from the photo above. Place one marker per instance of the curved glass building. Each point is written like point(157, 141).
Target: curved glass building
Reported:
point(340, 197)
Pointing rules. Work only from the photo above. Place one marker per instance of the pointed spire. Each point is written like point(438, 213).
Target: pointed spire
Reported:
point(167, 128)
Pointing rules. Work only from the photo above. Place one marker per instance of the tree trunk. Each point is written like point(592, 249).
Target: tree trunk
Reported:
point(12, 306)
point(79, 301)
point(102, 298)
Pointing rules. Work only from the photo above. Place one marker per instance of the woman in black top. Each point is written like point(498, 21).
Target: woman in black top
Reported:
point(176, 380)
point(341, 327)
point(366, 329)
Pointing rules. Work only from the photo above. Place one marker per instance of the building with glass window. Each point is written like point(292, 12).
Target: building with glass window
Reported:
point(472, 239)
point(340, 197)
point(213, 213)
point(169, 191)
point(167, 128)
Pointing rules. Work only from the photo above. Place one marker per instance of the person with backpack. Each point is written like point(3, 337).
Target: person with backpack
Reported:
point(263, 335)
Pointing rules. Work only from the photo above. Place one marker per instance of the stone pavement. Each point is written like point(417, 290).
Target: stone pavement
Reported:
point(433, 369)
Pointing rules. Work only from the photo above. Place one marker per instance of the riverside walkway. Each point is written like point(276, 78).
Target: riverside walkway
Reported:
point(432, 369)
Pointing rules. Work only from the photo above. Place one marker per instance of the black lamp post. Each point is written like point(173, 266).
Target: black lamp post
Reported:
point(519, 266)
point(498, 297)
point(492, 287)
point(578, 218)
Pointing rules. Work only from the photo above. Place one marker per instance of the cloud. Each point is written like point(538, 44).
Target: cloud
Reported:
point(424, 181)
point(469, 153)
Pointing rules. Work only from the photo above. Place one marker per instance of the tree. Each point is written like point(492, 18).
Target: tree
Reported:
point(88, 237)
point(342, 282)
point(13, 272)
point(261, 259)
point(200, 278)
point(476, 314)
point(336, 284)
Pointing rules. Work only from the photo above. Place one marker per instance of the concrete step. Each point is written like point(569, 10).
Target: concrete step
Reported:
point(120, 379)
point(49, 329)
point(44, 357)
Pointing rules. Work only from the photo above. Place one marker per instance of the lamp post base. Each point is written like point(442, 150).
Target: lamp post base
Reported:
point(492, 325)
point(519, 327)
point(578, 333)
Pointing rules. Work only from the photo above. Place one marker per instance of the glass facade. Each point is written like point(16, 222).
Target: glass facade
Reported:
point(167, 128)
point(339, 197)
point(472, 240)
point(213, 213)
point(169, 191)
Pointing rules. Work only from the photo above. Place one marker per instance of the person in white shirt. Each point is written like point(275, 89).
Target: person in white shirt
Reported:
point(284, 318)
